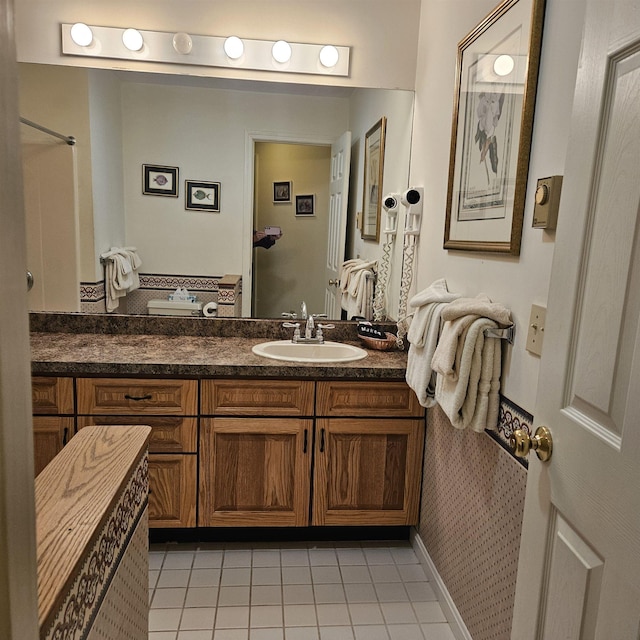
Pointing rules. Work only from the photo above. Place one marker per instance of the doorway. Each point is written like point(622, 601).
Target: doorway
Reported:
point(291, 268)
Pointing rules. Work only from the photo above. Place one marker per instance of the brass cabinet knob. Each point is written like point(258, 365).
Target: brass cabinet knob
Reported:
point(541, 443)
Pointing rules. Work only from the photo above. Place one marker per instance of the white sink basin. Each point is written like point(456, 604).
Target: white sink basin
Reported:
point(301, 352)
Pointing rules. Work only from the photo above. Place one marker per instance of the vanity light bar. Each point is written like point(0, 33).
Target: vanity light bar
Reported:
point(158, 46)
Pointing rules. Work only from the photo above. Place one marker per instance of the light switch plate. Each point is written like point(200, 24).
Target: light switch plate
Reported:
point(535, 334)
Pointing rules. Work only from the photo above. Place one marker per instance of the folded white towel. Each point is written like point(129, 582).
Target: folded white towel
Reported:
point(356, 285)
point(121, 274)
point(473, 399)
point(423, 338)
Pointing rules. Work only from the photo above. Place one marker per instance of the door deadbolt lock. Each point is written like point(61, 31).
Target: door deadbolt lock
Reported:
point(541, 443)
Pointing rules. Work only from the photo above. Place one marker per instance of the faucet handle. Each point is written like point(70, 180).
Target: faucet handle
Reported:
point(296, 329)
point(289, 314)
point(320, 327)
point(318, 315)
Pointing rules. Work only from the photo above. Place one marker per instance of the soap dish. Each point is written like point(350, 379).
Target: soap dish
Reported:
point(380, 344)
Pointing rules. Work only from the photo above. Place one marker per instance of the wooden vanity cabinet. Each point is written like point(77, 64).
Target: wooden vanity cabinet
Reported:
point(170, 408)
point(368, 466)
point(53, 420)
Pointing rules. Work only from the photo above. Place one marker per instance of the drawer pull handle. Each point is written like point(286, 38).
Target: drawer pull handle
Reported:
point(305, 441)
point(321, 440)
point(138, 398)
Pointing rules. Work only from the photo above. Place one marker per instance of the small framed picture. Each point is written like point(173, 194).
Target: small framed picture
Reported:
point(159, 181)
point(282, 191)
point(202, 196)
point(305, 205)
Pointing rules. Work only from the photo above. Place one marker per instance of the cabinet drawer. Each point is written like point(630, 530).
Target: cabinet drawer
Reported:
point(172, 490)
point(52, 396)
point(169, 434)
point(372, 399)
point(257, 397)
point(121, 396)
point(50, 434)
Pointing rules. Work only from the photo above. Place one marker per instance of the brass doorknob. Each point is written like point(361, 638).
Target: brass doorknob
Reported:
point(541, 443)
point(334, 283)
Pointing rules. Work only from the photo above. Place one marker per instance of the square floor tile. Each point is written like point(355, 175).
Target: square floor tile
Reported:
point(300, 615)
point(266, 558)
point(234, 596)
point(350, 556)
point(294, 558)
point(354, 574)
point(385, 573)
point(266, 634)
point(266, 594)
point(323, 557)
point(404, 555)
point(153, 578)
point(164, 619)
point(405, 632)
point(204, 578)
point(236, 577)
point(437, 632)
point(398, 613)
point(201, 597)
point(265, 616)
point(201, 634)
point(360, 593)
point(232, 618)
point(412, 573)
point(201, 618)
point(178, 560)
point(298, 594)
point(155, 560)
point(296, 575)
point(336, 633)
point(379, 556)
point(173, 578)
point(366, 614)
point(371, 632)
point(325, 575)
point(329, 593)
point(301, 633)
point(237, 558)
point(266, 575)
point(332, 615)
point(420, 591)
point(171, 598)
point(208, 560)
point(230, 634)
point(391, 592)
point(162, 635)
point(429, 612)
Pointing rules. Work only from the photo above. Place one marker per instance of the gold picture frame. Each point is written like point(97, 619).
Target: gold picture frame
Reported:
point(494, 102)
point(373, 174)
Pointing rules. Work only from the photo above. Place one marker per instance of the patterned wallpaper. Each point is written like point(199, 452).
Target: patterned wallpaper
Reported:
point(471, 518)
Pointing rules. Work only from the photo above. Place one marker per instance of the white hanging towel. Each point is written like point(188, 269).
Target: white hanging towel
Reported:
point(357, 279)
point(423, 338)
point(120, 274)
point(472, 399)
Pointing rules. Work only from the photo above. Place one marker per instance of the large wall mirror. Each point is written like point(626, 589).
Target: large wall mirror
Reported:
point(211, 130)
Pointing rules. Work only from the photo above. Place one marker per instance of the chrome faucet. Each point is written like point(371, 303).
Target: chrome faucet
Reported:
point(309, 328)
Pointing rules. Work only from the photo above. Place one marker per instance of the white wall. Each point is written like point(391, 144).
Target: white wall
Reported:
point(366, 107)
point(382, 33)
point(203, 132)
point(516, 282)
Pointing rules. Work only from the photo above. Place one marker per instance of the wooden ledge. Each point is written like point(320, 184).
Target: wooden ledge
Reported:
point(74, 496)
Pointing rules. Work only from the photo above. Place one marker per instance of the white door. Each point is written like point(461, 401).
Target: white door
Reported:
point(339, 192)
point(579, 570)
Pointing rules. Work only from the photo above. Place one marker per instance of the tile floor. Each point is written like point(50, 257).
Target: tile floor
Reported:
point(292, 591)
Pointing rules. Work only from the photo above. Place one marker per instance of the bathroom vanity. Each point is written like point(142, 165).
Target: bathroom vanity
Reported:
point(237, 439)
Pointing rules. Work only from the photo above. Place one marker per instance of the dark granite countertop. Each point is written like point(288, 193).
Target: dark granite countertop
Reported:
point(77, 344)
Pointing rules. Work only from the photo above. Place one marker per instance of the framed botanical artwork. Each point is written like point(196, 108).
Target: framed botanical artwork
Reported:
point(494, 101)
point(282, 191)
point(202, 196)
point(372, 187)
point(159, 180)
point(305, 205)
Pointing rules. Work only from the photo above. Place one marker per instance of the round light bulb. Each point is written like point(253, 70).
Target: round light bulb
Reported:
point(503, 65)
point(233, 47)
point(281, 51)
point(182, 43)
point(81, 34)
point(329, 56)
point(132, 39)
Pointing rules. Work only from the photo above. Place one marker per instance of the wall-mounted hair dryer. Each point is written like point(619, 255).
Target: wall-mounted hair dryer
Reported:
point(391, 204)
point(412, 199)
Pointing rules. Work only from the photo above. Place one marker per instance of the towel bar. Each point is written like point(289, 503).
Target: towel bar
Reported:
point(507, 334)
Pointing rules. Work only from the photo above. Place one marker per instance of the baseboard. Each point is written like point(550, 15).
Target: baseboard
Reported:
point(449, 608)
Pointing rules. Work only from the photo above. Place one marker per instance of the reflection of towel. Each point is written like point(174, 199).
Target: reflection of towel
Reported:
point(457, 317)
point(423, 338)
point(357, 284)
point(121, 273)
point(472, 398)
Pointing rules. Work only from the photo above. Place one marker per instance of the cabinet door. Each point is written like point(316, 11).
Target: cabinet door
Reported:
point(172, 490)
point(367, 471)
point(50, 434)
point(254, 472)
point(52, 395)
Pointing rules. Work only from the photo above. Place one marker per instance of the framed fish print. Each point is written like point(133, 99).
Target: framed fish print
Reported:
point(202, 196)
point(497, 73)
point(159, 181)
